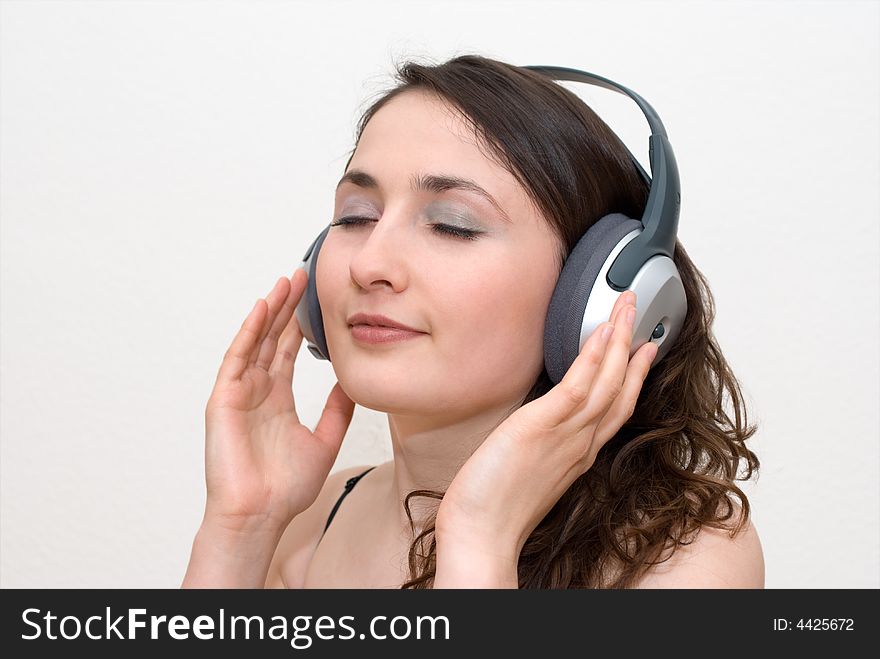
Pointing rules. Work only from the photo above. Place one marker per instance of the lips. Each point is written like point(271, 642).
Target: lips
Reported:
point(380, 335)
point(378, 320)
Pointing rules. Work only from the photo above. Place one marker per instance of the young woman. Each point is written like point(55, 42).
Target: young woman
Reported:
point(621, 475)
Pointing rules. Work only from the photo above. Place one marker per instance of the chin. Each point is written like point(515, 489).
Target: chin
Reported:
point(382, 391)
point(389, 405)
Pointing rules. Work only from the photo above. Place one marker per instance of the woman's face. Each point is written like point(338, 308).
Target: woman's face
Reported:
point(482, 302)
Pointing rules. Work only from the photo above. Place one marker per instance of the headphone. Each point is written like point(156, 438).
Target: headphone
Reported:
point(616, 254)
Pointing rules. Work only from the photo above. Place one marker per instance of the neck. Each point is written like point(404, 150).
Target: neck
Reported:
point(428, 452)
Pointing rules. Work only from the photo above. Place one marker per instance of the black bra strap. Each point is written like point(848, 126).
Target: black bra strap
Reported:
point(349, 485)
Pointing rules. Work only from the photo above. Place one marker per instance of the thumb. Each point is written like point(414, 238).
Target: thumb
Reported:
point(335, 418)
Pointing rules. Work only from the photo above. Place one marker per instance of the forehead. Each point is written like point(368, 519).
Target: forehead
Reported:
point(420, 113)
point(416, 133)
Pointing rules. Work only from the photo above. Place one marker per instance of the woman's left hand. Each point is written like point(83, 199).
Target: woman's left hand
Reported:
point(525, 465)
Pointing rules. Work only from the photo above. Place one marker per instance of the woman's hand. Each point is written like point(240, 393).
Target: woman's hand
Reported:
point(262, 466)
point(524, 466)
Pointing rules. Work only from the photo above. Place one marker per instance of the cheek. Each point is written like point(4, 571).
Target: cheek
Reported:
point(512, 303)
point(495, 322)
point(330, 276)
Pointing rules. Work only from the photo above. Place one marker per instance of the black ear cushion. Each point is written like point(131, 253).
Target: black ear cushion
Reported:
point(316, 320)
point(565, 316)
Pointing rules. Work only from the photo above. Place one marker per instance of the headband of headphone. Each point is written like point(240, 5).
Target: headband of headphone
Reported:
point(660, 218)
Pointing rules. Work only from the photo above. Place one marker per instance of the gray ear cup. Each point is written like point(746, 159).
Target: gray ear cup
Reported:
point(562, 330)
point(308, 311)
point(583, 299)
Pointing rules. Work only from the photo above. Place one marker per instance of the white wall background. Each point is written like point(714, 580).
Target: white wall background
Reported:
point(163, 163)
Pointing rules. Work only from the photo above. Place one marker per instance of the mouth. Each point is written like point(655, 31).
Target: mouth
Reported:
point(378, 334)
point(378, 320)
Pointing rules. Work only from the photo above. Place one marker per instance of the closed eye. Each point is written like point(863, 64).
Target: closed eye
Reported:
point(446, 229)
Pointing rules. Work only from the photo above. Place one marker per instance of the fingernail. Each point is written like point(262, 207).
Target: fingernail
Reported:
point(606, 332)
point(631, 316)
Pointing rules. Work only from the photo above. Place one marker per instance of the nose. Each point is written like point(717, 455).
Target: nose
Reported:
point(378, 261)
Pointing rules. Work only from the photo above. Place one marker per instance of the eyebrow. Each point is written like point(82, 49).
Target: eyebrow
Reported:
point(436, 183)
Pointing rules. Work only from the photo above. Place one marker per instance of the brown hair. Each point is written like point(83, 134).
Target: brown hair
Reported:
point(672, 467)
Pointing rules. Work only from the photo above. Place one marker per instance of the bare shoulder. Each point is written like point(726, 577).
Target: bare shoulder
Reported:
point(713, 560)
point(300, 538)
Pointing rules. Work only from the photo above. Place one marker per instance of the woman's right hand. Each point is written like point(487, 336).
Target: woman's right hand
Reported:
point(262, 466)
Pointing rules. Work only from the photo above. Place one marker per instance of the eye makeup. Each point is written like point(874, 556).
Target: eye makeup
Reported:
point(457, 220)
point(445, 229)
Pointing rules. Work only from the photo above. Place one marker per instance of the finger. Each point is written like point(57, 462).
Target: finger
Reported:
point(570, 393)
point(235, 359)
point(335, 419)
point(625, 404)
point(270, 342)
point(627, 297)
point(623, 299)
point(291, 338)
point(275, 300)
point(574, 388)
point(610, 378)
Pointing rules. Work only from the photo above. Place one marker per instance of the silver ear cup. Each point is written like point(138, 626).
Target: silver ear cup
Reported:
point(308, 310)
point(661, 304)
point(583, 299)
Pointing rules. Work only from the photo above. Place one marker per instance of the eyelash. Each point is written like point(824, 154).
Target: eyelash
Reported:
point(446, 229)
